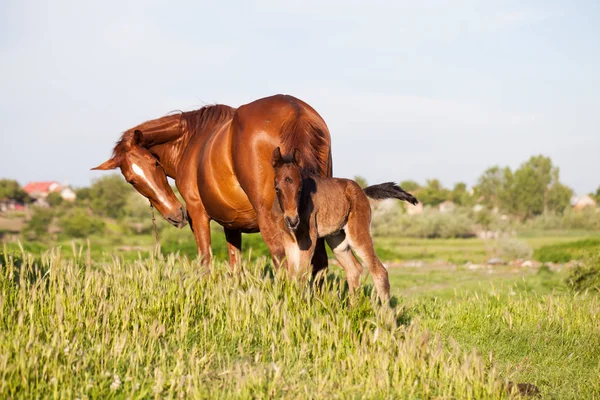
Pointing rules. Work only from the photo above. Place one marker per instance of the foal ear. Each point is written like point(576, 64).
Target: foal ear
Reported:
point(108, 164)
point(138, 137)
point(297, 158)
point(276, 158)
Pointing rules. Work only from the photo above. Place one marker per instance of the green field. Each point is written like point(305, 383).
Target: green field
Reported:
point(76, 326)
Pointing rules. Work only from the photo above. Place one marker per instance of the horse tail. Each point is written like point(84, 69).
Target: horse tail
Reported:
point(389, 190)
point(311, 137)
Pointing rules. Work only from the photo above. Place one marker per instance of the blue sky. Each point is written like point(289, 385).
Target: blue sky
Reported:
point(409, 90)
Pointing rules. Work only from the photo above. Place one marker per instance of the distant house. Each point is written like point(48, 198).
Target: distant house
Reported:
point(478, 207)
point(41, 190)
point(414, 210)
point(446, 206)
point(581, 202)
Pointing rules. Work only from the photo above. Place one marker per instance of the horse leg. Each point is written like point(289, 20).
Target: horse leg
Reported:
point(234, 246)
point(341, 249)
point(200, 225)
point(271, 236)
point(359, 238)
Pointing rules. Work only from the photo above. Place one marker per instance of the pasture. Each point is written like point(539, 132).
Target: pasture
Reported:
point(77, 325)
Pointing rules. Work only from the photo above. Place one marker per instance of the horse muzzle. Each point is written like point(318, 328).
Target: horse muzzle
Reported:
point(178, 219)
point(292, 223)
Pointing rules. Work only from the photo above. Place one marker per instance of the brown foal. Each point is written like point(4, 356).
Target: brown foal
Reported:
point(310, 207)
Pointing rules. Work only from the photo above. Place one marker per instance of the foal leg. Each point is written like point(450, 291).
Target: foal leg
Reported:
point(341, 249)
point(234, 246)
point(359, 239)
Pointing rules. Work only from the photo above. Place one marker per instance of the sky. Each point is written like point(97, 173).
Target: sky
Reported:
point(409, 89)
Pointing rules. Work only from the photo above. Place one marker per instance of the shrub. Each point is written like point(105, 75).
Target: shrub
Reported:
point(38, 225)
point(586, 276)
point(182, 241)
point(512, 249)
point(430, 224)
point(79, 224)
point(586, 219)
point(564, 252)
point(54, 199)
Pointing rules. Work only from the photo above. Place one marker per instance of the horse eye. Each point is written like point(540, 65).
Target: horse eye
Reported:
point(157, 164)
point(289, 180)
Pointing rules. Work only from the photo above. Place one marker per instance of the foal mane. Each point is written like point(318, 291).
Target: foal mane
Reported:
point(180, 127)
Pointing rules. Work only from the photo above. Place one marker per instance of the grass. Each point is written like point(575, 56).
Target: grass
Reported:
point(72, 326)
point(564, 252)
point(537, 329)
point(160, 327)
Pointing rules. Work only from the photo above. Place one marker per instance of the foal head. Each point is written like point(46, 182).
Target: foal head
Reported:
point(288, 185)
point(144, 172)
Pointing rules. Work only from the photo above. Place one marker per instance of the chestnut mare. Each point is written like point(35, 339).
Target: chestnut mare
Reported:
point(310, 207)
point(220, 159)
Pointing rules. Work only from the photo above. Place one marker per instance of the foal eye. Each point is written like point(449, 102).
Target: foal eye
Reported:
point(289, 180)
point(157, 164)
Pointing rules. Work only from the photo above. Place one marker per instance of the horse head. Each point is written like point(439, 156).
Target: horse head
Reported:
point(145, 173)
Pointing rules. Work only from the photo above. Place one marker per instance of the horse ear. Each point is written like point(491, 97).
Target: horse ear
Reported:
point(276, 159)
point(138, 137)
point(106, 165)
point(297, 158)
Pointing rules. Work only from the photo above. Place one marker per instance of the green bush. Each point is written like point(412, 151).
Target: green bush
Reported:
point(79, 224)
point(182, 241)
point(37, 227)
point(512, 249)
point(565, 252)
point(586, 276)
point(430, 224)
point(586, 219)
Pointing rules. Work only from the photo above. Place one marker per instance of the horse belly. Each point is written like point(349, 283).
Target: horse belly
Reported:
point(224, 199)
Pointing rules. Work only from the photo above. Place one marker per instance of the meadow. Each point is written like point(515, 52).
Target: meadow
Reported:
point(83, 322)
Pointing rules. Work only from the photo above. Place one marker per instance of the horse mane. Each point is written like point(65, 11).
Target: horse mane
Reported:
point(307, 135)
point(180, 125)
point(206, 118)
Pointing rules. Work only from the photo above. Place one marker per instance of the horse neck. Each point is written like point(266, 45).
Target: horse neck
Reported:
point(166, 140)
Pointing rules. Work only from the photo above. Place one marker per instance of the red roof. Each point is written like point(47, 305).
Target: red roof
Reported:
point(41, 187)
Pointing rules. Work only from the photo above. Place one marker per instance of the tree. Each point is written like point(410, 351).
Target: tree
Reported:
point(558, 198)
point(596, 196)
point(82, 194)
point(493, 186)
point(54, 199)
point(531, 187)
point(79, 224)
point(409, 186)
point(109, 196)
point(39, 223)
point(11, 190)
point(362, 181)
point(137, 206)
point(460, 195)
point(433, 193)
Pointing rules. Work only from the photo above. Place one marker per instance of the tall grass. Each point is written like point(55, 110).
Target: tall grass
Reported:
point(164, 327)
